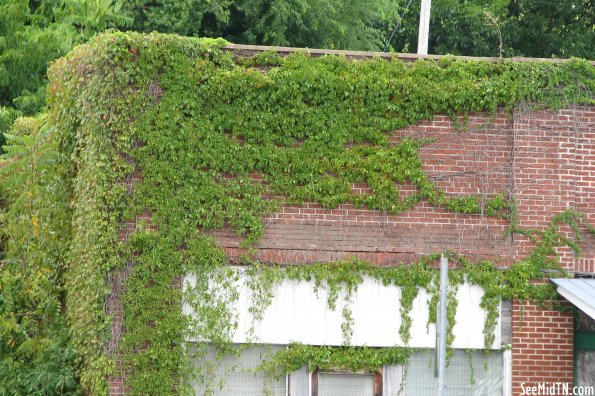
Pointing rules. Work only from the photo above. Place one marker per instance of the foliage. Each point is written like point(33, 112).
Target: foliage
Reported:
point(515, 282)
point(528, 28)
point(316, 24)
point(456, 27)
point(550, 29)
point(472, 27)
point(34, 33)
point(186, 17)
point(36, 357)
point(327, 357)
point(7, 116)
point(355, 24)
point(199, 126)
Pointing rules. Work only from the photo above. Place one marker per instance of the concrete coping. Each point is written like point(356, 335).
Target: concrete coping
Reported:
point(253, 49)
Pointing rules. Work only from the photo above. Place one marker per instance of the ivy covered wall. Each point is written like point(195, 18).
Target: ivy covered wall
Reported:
point(162, 141)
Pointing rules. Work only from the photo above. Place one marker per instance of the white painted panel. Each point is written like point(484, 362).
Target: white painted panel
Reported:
point(422, 334)
point(298, 314)
point(470, 317)
point(376, 313)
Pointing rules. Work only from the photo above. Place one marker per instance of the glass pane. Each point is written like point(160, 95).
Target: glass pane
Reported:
point(335, 384)
point(299, 382)
point(392, 380)
point(474, 374)
point(235, 375)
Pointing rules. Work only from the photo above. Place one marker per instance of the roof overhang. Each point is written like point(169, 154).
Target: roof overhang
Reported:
point(580, 292)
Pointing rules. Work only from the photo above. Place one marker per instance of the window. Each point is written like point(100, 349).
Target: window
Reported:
point(473, 374)
point(346, 384)
point(236, 375)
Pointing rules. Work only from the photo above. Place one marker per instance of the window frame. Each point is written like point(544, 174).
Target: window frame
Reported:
point(377, 379)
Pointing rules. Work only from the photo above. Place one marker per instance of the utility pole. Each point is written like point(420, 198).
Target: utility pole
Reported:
point(424, 27)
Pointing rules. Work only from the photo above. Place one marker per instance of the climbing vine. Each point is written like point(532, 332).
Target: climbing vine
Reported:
point(328, 357)
point(183, 134)
point(514, 282)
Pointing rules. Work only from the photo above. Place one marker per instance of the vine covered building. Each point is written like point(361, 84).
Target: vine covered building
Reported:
point(251, 220)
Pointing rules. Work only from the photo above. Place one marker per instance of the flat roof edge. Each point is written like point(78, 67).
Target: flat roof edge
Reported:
point(383, 55)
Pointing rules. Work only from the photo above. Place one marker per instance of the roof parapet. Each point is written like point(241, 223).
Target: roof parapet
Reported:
point(248, 50)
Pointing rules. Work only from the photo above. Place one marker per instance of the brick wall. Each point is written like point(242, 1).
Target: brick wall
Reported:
point(542, 346)
point(475, 161)
point(546, 160)
point(554, 170)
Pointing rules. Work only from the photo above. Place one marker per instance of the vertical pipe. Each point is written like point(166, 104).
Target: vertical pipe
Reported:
point(442, 325)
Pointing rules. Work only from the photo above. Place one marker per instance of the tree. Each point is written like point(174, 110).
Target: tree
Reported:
point(356, 24)
point(32, 34)
point(35, 356)
point(528, 28)
point(551, 28)
point(183, 17)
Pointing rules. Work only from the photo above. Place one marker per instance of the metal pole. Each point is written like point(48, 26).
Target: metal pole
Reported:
point(442, 325)
point(424, 27)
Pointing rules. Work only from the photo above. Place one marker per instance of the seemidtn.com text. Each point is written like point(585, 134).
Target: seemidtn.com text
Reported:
point(556, 389)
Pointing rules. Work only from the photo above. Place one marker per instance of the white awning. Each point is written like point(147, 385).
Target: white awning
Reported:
point(580, 292)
